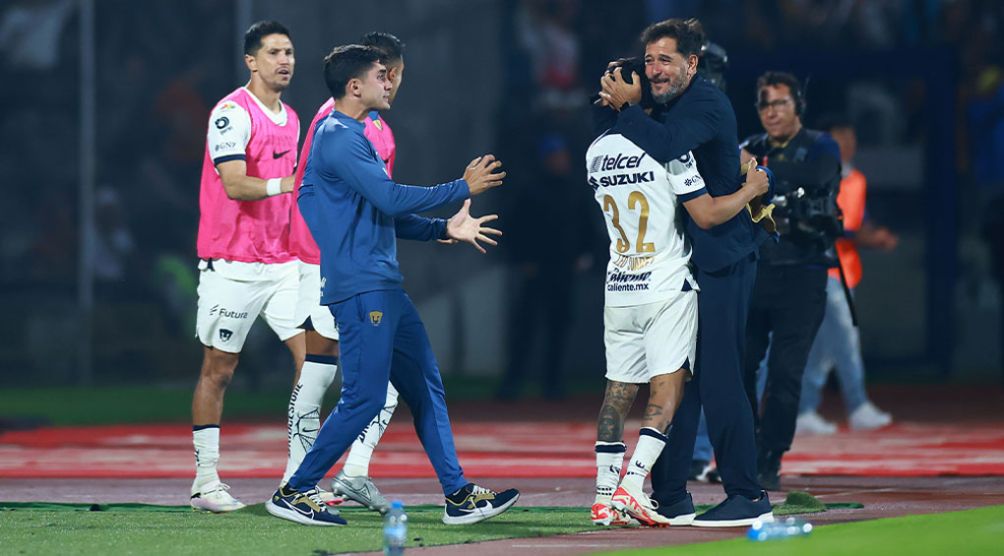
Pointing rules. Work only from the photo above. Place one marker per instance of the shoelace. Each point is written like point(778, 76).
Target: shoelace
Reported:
point(647, 502)
point(315, 496)
point(481, 490)
point(221, 487)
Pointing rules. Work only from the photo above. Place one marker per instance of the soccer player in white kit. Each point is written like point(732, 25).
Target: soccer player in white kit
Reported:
point(246, 269)
point(650, 313)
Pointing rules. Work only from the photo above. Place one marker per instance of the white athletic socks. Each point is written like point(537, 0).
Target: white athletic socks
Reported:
point(304, 417)
point(650, 445)
point(357, 464)
point(206, 439)
point(609, 460)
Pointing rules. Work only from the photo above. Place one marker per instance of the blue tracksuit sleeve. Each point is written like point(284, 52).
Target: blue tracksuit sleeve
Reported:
point(419, 228)
point(361, 170)
point(663, 142)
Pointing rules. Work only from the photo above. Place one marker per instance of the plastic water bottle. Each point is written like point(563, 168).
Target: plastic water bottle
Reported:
point(781, 529)
point(395, 529)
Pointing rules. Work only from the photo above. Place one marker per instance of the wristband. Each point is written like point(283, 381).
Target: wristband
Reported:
point(273, 187)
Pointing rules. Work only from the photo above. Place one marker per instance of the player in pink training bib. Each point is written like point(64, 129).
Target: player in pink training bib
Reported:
point(320, 367)
point(246, 268)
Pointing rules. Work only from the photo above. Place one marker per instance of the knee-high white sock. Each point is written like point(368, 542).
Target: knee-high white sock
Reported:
point(650, 445)
point(206, 439)
point(609, 460)
point(304, 418)
point(357, 464)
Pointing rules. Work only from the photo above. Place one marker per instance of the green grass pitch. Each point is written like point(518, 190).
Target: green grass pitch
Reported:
point(979, 531)
point(49, 528)
point(253, 531)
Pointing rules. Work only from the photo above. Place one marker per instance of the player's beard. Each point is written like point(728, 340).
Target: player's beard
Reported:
point(278, 86)
point(676, 86)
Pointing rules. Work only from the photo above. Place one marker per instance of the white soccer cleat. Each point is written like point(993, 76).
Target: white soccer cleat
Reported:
point(215, 498)
point(868, 417)
point(812, 423)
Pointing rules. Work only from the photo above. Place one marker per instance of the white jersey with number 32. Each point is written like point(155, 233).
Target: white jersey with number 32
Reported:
point(649, 252)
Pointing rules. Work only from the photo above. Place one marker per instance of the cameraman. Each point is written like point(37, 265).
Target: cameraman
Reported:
point(789, 297)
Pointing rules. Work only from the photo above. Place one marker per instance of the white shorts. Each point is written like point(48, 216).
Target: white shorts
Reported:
point(308, 304)
point(644, 341)
point(232, 295)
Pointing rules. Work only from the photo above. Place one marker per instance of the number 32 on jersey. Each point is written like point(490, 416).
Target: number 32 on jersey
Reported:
point(636, 202)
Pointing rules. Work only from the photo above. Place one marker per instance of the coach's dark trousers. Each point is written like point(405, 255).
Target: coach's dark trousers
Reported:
point(723, 306)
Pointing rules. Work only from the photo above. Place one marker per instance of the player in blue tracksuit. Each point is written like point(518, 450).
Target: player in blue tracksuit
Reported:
point(355, 213)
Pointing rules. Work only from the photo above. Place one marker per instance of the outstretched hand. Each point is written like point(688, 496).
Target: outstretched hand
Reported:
point(483, 173)
point(468, 229)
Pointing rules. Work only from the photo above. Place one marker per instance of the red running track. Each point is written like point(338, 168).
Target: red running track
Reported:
point(487, 449)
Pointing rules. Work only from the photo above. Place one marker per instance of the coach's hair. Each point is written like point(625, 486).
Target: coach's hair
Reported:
point(775, 78)
point(348, 62)
point(260, 30)
point(391, 46)
point(689, 34)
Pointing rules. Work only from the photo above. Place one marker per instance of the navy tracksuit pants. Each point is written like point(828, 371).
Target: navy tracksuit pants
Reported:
point(381, 338)
point(723, 306)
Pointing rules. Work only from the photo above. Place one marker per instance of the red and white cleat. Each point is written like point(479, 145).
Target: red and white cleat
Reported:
point(605, 516)
point(638, 506)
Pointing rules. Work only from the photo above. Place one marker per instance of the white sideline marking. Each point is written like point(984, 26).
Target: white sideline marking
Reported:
point(566, 545)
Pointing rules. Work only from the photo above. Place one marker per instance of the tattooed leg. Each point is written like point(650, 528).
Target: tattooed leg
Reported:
point(664, 397)
point(617, 402)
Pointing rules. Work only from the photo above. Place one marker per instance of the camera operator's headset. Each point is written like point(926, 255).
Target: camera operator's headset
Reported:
point(797, 96)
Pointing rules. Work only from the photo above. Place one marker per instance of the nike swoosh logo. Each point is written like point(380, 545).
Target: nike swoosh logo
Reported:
point(276, 155)
point(298, 510)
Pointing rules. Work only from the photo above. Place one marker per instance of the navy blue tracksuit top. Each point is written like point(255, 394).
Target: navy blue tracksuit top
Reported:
point(355, 211)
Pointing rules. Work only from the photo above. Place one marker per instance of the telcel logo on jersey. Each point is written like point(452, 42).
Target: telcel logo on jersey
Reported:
point(606, 163)
point(619, 162)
